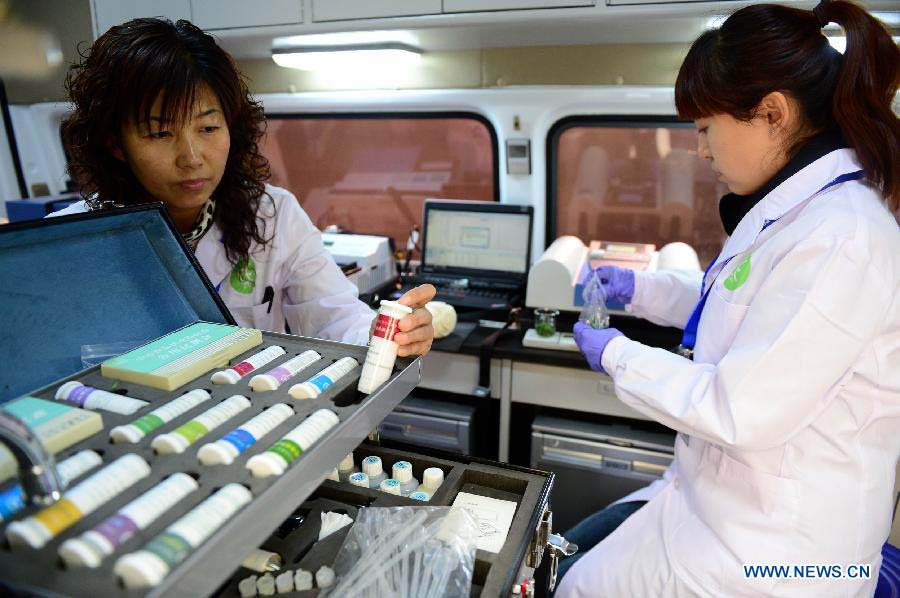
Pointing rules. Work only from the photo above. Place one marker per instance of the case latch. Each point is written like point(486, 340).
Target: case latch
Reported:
point(558, 546)
point(544, 538)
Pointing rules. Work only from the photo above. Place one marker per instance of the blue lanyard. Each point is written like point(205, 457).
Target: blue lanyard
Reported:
point(690, 330)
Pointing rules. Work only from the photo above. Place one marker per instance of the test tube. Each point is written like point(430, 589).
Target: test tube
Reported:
point(275, 377)
point(324, 379)
point(150, 565)
point(90, 548)
point(280, 455)
point(142, 426)
point(94, 398)
point(233, 374)
point(226, 449)
point(185, 435)
point(12, 500)
point(78, 502)
point(382, 349)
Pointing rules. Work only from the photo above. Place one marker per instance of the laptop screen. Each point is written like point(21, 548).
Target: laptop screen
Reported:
point(477, 238)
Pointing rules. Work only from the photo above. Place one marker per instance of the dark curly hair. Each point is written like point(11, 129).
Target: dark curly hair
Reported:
point(120, 77)
point(769, 47)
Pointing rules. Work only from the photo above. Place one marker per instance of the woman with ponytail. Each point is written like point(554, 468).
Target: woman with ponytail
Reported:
point(786, 390)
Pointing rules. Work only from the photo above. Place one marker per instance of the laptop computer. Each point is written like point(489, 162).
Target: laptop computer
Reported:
point(476, 253)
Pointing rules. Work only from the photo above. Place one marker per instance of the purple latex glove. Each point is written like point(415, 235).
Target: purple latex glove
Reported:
point(592, 343)
point(618, 283)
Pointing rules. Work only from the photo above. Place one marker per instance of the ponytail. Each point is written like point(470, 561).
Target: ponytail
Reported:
point(866, 85)
point(768, 47)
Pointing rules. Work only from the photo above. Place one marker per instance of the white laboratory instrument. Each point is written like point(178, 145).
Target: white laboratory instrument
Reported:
point(554, 281)
point(372, 256)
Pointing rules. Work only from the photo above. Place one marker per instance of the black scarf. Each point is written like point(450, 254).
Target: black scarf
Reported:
point(733, 207)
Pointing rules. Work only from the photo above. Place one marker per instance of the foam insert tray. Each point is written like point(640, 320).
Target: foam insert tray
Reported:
point(494, 574)
point(275, 498)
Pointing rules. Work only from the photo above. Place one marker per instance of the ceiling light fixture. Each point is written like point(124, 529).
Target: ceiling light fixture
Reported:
point(355, 56)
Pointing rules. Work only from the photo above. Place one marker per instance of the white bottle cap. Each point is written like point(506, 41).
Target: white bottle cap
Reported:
point(394, 309)
point(334, 475)
point(216, 453)
point(359, 479)
point(265, 464)
point(166, 444)
point(402, 471)
point(372, 466)
point(325, 577)
point(75, 552)
point(303, 580)
point(228, 376)
point(347, 463)
point(263, 382)
point(127, 433)
point(63, 392)
point(27, 532)
point(304, 390)
point(390, 485)
point(141, 569)
point(432, 478)
point(420, 495)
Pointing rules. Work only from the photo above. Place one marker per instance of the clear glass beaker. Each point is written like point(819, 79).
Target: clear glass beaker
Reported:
point(545, 321)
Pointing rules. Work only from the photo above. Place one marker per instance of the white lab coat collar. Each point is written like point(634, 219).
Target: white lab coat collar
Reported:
point(787, 196)
point(211, 254)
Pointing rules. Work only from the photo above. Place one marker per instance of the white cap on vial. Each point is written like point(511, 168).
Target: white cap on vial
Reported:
point(263, 382)
point(359, 479)
point(372, 466)
point(66, 389)
point(166, 444)
point(304, 390)
point(28, 532)
point(334, 475)
point(390, 485)
point(433, 477)
point(141, 569)
point(228, 376)
point(402, 471)
point(75, 552)
point(217, 453)
point(127, 433)
point(347, 463)
point(420, 495)
point(265, 464)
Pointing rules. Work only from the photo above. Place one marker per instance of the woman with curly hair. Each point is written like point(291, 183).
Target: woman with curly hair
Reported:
point(162, 114)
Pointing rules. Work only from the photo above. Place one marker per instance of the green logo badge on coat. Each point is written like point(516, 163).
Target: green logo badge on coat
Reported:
point(739, 276)
point(243, 276)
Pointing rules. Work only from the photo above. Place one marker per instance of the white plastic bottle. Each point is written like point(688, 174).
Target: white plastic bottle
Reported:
point(142, 426)
point(275, 377)
point(233, 374)
point(432, 478)
point(382, 349)
point(279, 457)
point(225, 450)
point(346, 468)
point(371, 466)
point(324, 379)
point(402, 472)
point(93, 398)
point(185, 435)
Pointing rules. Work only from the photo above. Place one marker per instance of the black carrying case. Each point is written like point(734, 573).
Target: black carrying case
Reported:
point(125, 276)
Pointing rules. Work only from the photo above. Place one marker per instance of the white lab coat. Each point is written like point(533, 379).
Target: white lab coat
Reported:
point(789, 415)
point(310, 291)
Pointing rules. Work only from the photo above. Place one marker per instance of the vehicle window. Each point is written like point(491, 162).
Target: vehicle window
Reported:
point(635, 182)
point(370, 174)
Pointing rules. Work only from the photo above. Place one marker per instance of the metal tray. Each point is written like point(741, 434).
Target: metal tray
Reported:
point(42, 572)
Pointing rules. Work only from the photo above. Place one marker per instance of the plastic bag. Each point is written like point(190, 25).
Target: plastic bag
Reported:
point(91, 355)
point(426, 552)
point(594, 312)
